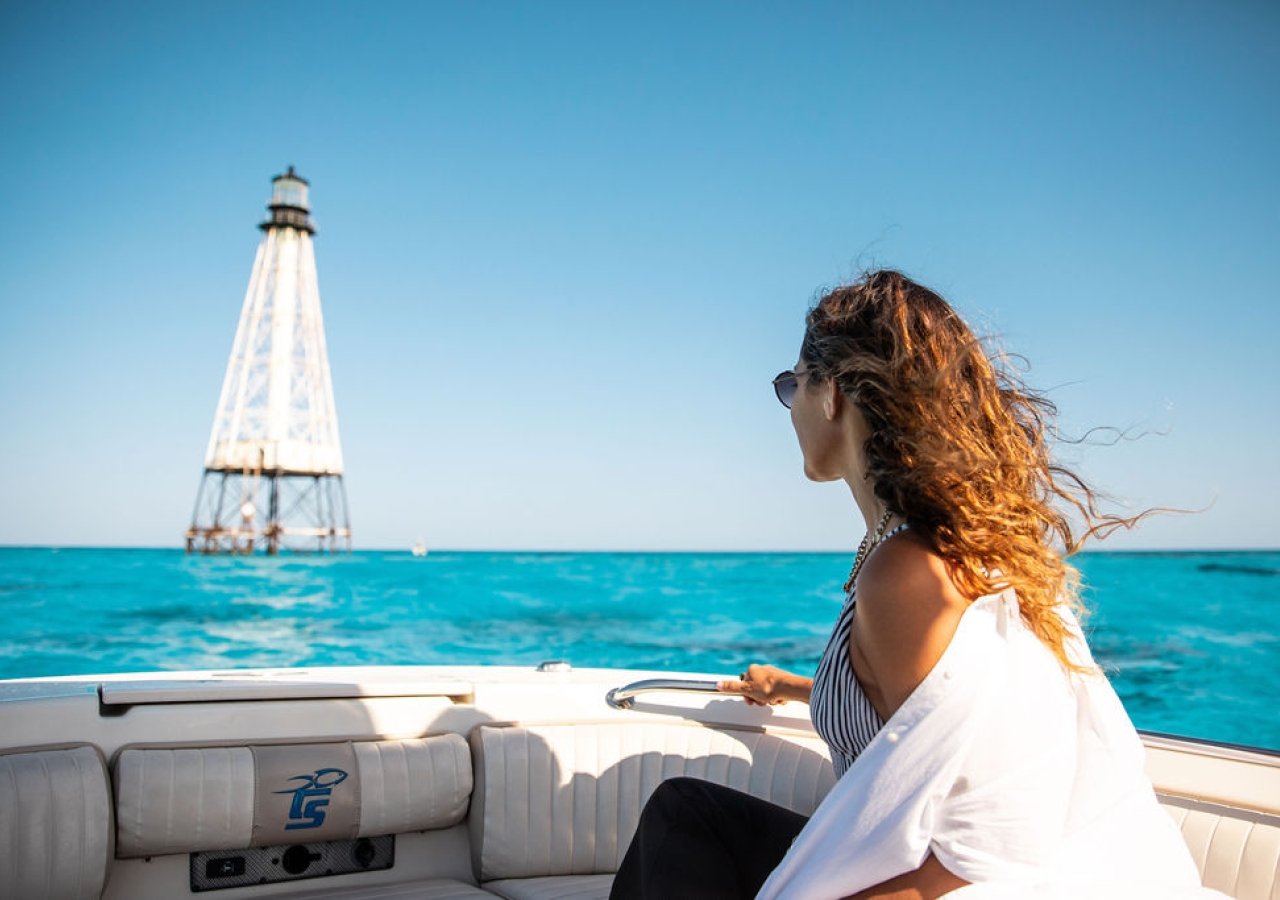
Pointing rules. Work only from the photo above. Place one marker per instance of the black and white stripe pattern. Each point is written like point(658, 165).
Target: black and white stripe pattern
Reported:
point(842, 714)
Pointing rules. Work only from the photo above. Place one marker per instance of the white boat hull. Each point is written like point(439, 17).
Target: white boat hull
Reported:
point(540, 744)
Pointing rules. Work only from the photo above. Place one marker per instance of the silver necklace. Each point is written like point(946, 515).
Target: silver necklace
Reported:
point(869, 543)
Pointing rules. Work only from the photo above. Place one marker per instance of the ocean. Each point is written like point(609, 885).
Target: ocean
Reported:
point(1190, 640)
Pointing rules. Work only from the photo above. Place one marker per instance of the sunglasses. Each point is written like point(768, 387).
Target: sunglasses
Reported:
point(785, 385)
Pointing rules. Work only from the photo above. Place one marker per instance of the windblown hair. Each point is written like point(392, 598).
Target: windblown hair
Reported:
point(959, 446)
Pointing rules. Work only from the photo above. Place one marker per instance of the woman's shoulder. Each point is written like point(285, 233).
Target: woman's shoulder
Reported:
point(908, 611)
point(907, 577)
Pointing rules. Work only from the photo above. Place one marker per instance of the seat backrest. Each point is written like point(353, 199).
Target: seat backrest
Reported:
point(55, 824)
point(179, 800)
point(565, 799)
point(1236, 850)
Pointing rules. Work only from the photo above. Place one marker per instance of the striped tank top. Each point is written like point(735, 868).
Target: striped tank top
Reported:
point(842, 715)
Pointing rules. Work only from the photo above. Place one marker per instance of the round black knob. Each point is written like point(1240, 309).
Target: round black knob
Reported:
point(364, 853)
point(296, 859)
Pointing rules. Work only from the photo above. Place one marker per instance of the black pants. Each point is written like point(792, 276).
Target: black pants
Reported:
point(700, 840)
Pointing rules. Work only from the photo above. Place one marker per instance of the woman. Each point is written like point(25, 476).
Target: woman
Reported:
point(974, 740)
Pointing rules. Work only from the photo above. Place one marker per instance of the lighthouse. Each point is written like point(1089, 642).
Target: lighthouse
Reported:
point(273, 468)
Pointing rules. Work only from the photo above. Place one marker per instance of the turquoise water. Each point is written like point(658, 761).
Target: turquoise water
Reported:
point(1190, 639)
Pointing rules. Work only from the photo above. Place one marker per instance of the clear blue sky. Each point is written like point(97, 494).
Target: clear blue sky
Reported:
point(564, 247)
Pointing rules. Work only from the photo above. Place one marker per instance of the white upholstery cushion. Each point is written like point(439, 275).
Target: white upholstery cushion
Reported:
point(186, 800)
point(565, 799)
point(1236, 850)
point(428, 889)
point(413, 785)
point(553, 887)
point(178, 801)
point(55, 824)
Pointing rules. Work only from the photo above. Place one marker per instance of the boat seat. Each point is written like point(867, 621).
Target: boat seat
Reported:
point(553, 887)
point(1237, 850)
point(55, 823)
point(427, 889)
point(564, 887)
point(193, 799)
point(172, 801)
point(555, 806)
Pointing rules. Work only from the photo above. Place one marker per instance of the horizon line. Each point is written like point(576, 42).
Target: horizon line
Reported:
point(598, 550)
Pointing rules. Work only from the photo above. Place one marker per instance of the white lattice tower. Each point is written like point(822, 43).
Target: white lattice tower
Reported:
point(273, 468)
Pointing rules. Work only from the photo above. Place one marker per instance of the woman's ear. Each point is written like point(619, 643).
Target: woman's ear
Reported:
point(832, 400)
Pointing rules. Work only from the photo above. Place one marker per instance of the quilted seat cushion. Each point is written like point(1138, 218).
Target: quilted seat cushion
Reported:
point(225, 798)
point(565, 799)
point(428, 889)
point(1237, 851)
point(554, 887)
point(55, 824)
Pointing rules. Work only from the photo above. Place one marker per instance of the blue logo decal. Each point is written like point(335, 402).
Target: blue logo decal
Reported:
point(310, 798)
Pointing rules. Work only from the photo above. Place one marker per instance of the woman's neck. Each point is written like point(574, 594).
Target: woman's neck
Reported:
point(871, 506)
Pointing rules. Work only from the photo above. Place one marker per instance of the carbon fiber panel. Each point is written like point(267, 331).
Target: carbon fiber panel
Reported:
point(213, 870)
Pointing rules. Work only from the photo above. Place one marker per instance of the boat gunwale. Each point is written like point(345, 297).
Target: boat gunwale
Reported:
point(1159, 740)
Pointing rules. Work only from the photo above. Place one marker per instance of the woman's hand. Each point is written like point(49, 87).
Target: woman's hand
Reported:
point(768, 686)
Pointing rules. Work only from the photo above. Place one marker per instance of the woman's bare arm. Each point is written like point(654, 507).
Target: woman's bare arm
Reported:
point(930, 880)
point(908, 610)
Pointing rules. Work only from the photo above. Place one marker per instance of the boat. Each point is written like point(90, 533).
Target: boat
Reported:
point(446, 782)
point(419, 547)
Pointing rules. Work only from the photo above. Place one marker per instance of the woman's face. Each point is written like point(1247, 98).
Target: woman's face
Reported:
point(830, 429)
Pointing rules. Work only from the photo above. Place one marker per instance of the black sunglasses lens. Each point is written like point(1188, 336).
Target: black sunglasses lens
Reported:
point(785, 387)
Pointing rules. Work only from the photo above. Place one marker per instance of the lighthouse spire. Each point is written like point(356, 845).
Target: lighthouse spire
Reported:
point(273, 467)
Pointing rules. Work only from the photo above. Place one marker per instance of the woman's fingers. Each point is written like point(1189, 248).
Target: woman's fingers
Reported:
point(747, 689)
point(741, 686)
point(761, 692)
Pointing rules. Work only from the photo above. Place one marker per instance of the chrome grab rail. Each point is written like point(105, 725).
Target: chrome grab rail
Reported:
point(624, 697)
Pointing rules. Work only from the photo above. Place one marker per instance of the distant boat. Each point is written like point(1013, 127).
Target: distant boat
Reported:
point(419, 547)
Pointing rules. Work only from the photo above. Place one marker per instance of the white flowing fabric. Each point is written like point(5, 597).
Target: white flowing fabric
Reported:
point(1018, 778)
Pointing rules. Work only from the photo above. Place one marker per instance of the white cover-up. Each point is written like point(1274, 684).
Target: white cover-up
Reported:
point(1019, 779)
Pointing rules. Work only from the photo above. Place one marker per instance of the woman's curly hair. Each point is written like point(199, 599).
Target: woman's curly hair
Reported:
point(959, 446)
